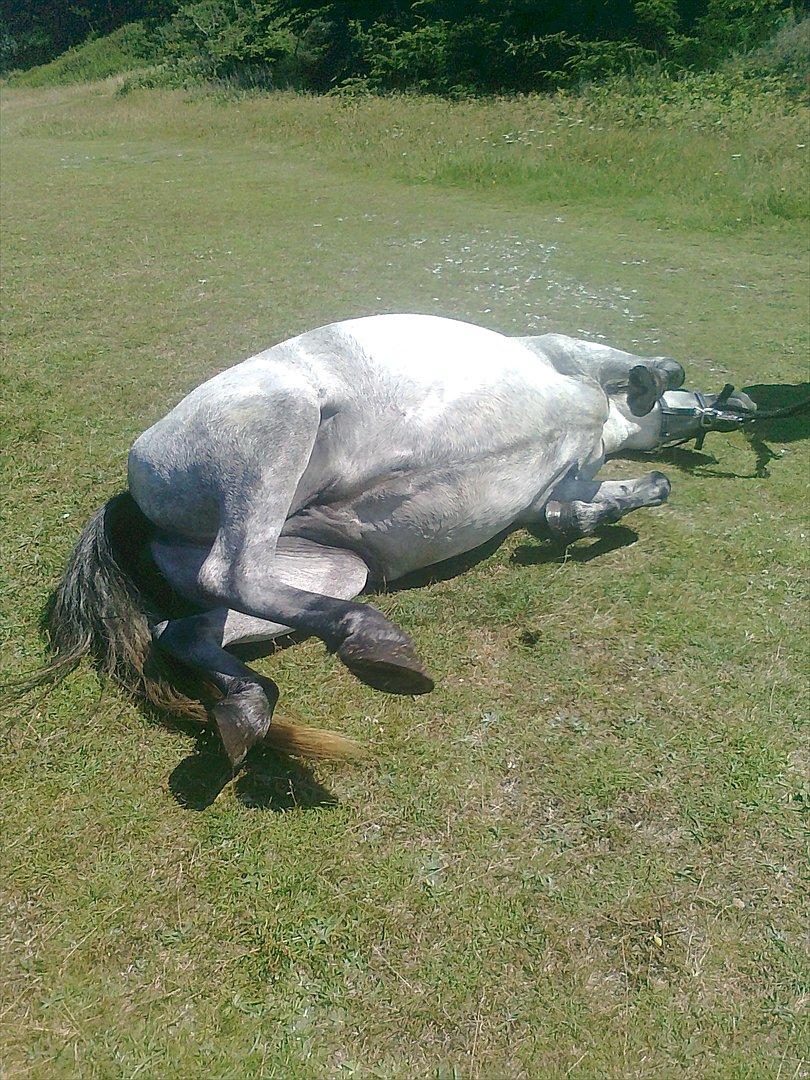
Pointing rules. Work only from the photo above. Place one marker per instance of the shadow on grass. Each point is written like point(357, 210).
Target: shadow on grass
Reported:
point(778, 429)
point(607, 538)
point(781, 429)
point(268, 781)
point(445, 571)
point(688, 461)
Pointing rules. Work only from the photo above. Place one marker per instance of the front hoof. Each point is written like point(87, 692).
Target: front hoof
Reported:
point(388, 664)
point(661, 487)
point(243, 718)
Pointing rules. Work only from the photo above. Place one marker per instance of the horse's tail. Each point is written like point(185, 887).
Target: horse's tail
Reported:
point(104, 608)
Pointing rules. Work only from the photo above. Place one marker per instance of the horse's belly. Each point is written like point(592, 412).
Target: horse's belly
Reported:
point(417, 518)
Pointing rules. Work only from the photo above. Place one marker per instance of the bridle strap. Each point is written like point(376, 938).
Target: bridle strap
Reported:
point(707, 413)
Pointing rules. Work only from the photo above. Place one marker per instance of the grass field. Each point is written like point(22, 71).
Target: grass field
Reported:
point(582, 854)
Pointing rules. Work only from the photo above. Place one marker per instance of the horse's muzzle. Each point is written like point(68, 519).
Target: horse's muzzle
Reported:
point(689, 414)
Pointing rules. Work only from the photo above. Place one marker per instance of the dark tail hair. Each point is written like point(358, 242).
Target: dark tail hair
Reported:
point(103, 609)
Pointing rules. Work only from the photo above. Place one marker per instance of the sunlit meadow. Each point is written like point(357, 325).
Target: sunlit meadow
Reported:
point(581, 855)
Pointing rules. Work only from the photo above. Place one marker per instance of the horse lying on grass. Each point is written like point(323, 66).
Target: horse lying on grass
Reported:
point(342, 459)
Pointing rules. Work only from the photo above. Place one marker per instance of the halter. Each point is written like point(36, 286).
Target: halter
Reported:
point(726, 411)
point(713, 412)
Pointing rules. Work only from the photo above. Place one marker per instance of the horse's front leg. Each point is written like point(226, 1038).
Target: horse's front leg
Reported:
point(578, 507)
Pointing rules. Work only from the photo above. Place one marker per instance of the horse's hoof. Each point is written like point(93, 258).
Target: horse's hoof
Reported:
point(387, 664)
point(660, 487)
point(243, 718)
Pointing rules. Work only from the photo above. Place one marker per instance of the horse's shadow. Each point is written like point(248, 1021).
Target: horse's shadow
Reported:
point(777, 429)
point(267, 781)
point(781, 429)
point(446, 570)
point(607, 538)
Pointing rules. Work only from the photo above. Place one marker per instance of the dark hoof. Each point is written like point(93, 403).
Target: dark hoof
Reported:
point(661, 487)
point(562, 521)
point(388, 664)
point(646, 385)
point(243, 718)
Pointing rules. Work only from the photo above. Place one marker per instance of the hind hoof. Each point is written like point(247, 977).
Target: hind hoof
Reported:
point(243, 719)
point(389, 665)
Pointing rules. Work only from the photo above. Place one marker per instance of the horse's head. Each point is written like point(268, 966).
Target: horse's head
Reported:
point(676, 417)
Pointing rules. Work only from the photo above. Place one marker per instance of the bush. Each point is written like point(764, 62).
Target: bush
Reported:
point(786, 54)
point(36, 32)
point(449, 47)
point(467, 46)
point(125, 49)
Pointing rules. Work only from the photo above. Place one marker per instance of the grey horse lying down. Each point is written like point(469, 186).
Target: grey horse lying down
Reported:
point(342, 459)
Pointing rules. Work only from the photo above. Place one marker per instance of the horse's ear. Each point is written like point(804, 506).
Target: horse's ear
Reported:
point(646, 385)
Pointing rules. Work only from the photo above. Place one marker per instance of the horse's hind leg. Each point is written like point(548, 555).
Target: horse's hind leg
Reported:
point(266, 448)
point(244, 713)
point(579, 507)
point(284, 587)
point(245, 708)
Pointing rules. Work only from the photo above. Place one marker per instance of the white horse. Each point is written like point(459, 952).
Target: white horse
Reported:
point(279, 490)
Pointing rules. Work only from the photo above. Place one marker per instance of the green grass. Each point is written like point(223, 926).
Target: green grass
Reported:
point(581, 855)
point(707, 152)
point(126, 49)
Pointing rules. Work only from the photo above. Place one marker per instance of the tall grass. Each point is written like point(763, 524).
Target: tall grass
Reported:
point(125, 49)
point(714, 152)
